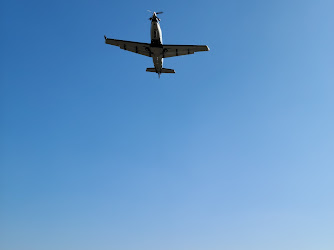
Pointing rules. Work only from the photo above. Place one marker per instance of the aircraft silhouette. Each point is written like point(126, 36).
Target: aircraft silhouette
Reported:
point(156, 49)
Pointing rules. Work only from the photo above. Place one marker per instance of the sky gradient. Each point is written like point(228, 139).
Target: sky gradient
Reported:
point(234, 151)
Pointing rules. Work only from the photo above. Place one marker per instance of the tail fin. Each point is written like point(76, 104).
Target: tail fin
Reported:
point(163, 70)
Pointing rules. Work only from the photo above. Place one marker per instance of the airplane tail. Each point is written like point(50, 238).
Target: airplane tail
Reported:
point(163, 70)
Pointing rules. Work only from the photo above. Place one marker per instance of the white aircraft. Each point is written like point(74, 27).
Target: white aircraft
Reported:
point(156, 49)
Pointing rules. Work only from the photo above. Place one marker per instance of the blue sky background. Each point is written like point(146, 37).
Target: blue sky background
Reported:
point(234, 151)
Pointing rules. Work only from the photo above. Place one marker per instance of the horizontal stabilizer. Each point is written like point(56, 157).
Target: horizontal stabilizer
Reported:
point(151, 70)
point(163, 70)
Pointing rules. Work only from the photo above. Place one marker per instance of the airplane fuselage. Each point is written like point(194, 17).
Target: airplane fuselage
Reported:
point(156, 44)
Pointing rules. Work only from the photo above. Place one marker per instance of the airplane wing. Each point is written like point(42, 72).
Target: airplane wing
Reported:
point(180, 50)
point(139, 48)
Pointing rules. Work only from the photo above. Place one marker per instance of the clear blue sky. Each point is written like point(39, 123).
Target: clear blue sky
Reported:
point(234, 151)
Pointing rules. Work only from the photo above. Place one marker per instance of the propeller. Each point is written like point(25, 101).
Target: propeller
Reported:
point(160, 12)
point(156, 13)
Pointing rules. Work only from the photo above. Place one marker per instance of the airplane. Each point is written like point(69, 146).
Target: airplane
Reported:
point(156, 49)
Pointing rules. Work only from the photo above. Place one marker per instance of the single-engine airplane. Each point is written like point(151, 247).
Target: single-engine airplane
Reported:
point(156, 49)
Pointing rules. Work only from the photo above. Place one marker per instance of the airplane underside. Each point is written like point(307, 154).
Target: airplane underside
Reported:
point(156, 49)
